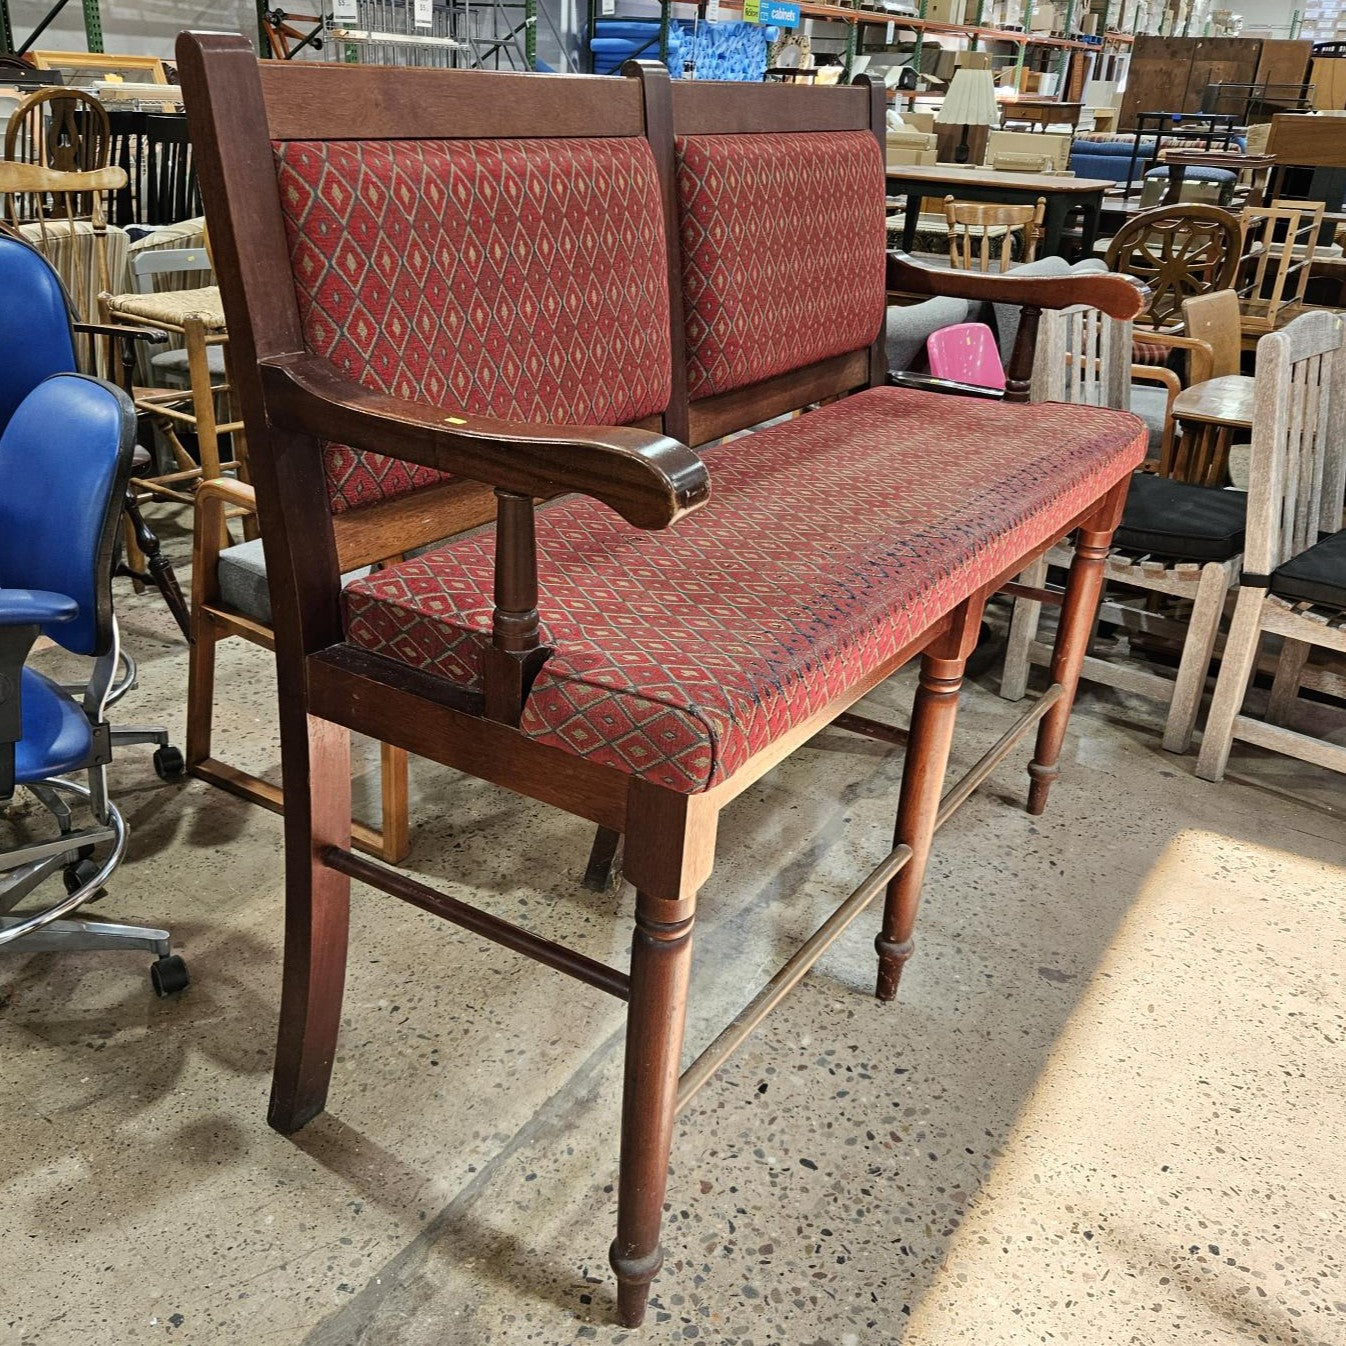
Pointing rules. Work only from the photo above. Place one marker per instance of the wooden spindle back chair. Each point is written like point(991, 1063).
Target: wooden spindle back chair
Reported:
point(1274, 273)
point(975, 225)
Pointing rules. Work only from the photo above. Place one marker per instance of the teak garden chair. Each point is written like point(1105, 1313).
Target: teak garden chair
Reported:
point(453, 294)
point(1293, 584)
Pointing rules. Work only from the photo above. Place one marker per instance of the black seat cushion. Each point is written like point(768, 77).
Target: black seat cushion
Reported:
point(1317, 575)
point(1182, 522)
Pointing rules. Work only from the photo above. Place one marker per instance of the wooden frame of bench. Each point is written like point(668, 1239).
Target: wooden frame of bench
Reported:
point(292, 400)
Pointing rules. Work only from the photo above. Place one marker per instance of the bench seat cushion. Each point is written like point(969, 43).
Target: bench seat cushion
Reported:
point(830, 543)
point(1317, 575)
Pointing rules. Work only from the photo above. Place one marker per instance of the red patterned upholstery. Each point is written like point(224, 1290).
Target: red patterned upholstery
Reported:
point(1149, 352)
point(782, 252)
point(830, 542)
point(518, 279)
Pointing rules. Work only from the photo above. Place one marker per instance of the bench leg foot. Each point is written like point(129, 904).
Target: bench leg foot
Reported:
point(661, 959)
point(317, 909)
point(932, 719)
point(1079, 607)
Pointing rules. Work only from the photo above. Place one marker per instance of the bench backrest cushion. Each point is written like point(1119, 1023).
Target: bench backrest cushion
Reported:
point(520, 279)
point(782, 252)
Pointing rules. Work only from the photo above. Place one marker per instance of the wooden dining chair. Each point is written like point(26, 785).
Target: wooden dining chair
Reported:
point(1201, 450)
point(1274, 270)
point(1177, 252)
point(1293, 582)
point(974, 225)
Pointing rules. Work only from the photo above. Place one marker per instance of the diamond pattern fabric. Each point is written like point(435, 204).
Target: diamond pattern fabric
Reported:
point(520, 279)
point(830, 542)
point(782, 252)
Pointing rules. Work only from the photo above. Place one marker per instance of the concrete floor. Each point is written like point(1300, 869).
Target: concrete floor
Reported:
point(1106, 1109)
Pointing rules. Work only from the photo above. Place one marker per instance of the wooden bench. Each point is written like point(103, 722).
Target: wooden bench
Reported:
point(454, 295)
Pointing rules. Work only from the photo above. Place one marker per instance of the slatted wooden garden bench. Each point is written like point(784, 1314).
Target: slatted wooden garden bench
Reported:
point(463, 297)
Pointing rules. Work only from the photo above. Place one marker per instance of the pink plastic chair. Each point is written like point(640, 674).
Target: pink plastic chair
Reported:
point(966, 353)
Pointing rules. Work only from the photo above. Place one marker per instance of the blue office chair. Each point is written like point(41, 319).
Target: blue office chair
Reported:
point(37, 339)
point(65, 461)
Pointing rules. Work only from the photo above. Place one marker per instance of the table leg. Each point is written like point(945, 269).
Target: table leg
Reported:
point(1176, 173)
point(910, 219)
point(1053, 223)
point(1090, 209)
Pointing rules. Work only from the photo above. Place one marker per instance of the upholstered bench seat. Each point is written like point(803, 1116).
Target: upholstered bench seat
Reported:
point(830, 543)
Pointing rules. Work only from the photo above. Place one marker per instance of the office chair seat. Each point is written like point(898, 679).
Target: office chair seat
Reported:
point(56, 733)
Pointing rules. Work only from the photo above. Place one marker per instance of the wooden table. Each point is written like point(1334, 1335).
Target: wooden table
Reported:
point(1213, 410)
point(1040, 113)
point(1062, 194)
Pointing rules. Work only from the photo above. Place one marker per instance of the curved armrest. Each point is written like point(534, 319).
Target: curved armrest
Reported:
point(649, 479)
point(35, 607)
point(1201, 356)
point(1114, 295)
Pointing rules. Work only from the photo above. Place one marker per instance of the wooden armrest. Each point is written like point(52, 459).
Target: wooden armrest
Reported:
point(1114, 295)
point(647, 478)
point(1201, 361)
point(212, 499)
point(151, 334)
point(1157, 374)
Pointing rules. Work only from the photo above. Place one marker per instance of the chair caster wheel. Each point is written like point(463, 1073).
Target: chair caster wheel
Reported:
point(168, 975)
point(76, 875)
point(169, 763)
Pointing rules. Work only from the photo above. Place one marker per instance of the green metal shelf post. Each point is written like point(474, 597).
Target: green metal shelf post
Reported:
point(915, 51)
point(852, 29)
point(93, 25)
point(530, 34)
point(6, 28)
point(977, 22)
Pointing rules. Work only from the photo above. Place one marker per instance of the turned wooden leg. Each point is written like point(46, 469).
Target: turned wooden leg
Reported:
point(932, 720)
point(317, 772)
point(669, 850)
point(1078, 610)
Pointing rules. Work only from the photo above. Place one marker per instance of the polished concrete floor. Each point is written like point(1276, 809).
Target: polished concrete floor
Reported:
point(1107, 1108)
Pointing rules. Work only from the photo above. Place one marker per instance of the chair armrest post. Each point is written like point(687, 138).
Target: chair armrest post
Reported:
point(1019, 375)
point(516, 651)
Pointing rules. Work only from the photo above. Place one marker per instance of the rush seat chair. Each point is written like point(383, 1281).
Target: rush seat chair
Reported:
point(452, 295)
point(65, 460)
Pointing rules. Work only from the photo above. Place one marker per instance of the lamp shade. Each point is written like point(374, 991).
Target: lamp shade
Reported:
point(970, 100)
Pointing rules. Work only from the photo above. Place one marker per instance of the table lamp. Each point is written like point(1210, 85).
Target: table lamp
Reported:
point(969, 102)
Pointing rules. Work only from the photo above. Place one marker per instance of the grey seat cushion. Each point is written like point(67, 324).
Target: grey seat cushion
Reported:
point(910, 325)
point(242, 578)
point(1317, 575)
point(1181, 522)
point(175, 362)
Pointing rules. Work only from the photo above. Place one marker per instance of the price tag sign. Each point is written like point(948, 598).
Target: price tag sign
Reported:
point(779, 14)
point(752, 11)
point(425, 14)
point(712, 11)
point(345, 11)
point(888, 34)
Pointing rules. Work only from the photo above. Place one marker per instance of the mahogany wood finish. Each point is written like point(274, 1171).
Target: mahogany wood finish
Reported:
point(293, 401)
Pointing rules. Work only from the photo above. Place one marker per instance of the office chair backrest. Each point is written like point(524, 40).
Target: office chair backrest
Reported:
point(65, 460)
point(36, 339)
